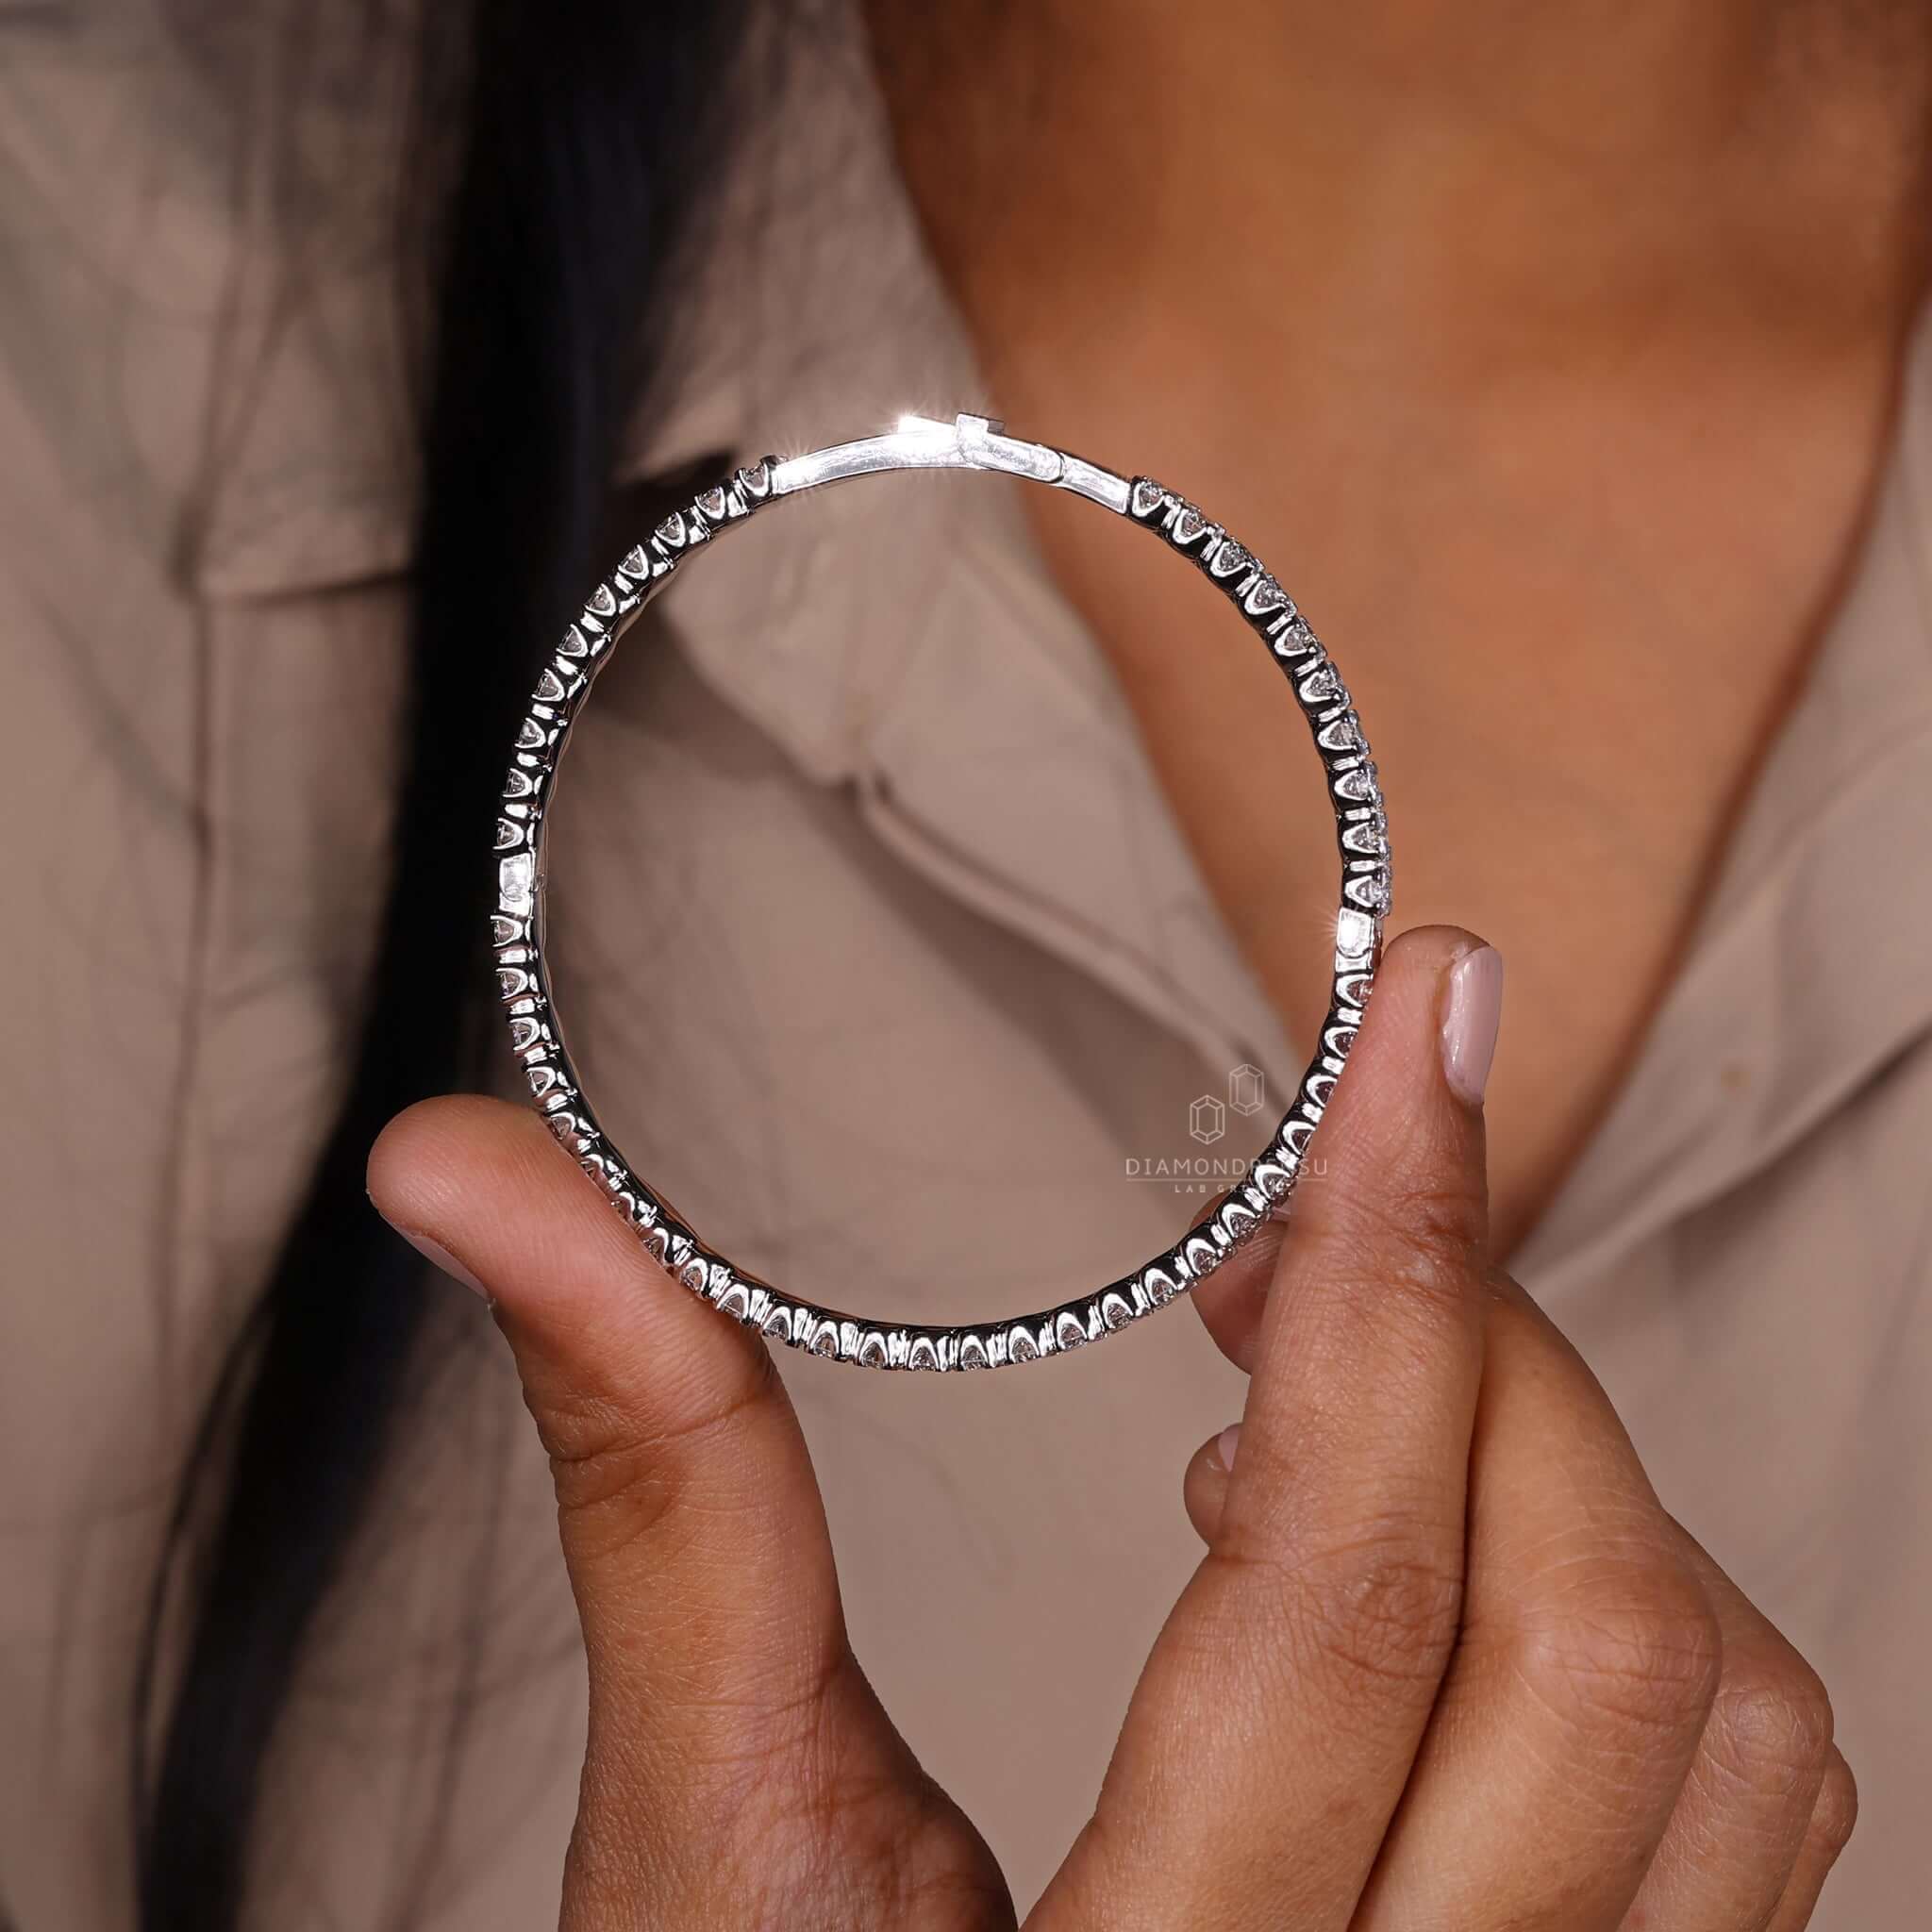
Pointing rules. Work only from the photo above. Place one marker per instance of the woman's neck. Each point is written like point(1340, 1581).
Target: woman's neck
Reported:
point(1472, 186)
point(1525, 336)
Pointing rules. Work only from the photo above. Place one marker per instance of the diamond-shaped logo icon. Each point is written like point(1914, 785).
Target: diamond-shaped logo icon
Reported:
point(1247, 1090)
point(1206, 1119)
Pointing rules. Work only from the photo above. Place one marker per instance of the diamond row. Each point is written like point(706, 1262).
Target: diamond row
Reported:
point(537, 1043)
point(1361, 821)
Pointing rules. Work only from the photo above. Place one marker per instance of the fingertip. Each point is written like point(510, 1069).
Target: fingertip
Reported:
point(1204, 1483)
point(416, 1160)
point(1454, 976)
point(1396, 1134)
point(1416, 962)
point(1393, 1079)
point(413, 1171)
point(1471, 1017)
point(1413, 1003)
point(481, 1188)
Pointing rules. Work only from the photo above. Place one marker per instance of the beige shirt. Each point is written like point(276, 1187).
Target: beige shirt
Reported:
point(940, 958)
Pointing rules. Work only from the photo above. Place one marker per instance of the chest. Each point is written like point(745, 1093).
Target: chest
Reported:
point(1566, 735)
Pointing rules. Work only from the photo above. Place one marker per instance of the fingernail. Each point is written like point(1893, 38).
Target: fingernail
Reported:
point(1472, 1012)
point(1227, 1444)
point(436, 1252)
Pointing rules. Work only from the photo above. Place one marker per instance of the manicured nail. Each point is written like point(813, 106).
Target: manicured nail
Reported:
point(436, 1252)
point(1227, 1444)
point(1472, 1012)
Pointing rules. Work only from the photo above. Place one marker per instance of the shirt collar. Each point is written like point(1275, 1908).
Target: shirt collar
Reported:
point(950, 683)
point(904, 637)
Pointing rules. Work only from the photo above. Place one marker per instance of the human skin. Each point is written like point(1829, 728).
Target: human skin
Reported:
point(1446, 1660)
point(1543, 340)
point(1551, 350)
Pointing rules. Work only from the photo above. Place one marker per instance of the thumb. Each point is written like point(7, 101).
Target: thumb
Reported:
point(660, 1421)
point(1302, 1663)
point(1380, 1138)
point(728, 1715)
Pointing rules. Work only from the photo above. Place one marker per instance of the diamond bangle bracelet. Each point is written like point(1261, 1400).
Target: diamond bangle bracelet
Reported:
point(969, 443)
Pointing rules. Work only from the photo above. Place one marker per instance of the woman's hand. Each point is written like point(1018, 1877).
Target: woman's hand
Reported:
point(1446, 1664)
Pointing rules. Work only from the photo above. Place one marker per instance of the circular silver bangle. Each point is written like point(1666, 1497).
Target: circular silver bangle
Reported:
point(970, 443)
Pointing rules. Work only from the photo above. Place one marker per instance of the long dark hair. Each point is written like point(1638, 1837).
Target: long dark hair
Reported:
point(582, 129)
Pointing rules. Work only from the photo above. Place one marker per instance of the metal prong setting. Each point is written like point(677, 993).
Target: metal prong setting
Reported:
point(919, 443)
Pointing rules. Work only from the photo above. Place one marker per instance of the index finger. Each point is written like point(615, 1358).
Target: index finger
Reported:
point(1274, 1731)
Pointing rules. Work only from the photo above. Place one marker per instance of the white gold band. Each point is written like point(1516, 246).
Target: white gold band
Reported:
point(970, 443)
